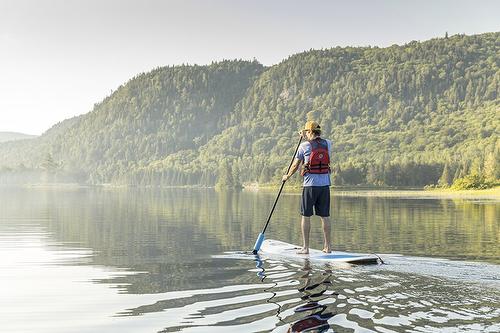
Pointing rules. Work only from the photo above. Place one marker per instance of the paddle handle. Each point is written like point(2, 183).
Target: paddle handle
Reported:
point(260, 239)
point(274, 206)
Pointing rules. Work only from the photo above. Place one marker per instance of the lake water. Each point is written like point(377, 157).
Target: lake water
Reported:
point(132, 260)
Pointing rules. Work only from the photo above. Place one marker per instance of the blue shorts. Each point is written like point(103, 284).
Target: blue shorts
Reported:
point(317, 197)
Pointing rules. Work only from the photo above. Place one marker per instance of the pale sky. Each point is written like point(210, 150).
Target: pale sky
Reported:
point(59, 57)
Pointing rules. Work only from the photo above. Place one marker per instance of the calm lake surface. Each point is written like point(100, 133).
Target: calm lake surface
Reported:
point(148, 260)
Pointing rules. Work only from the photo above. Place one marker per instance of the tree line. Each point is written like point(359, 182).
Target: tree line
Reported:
point(423, 113)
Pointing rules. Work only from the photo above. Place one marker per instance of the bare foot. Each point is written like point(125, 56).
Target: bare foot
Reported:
point(304, 250)
point(327, 249)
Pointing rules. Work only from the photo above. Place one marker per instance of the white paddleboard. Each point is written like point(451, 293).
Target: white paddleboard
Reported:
point(282, 249)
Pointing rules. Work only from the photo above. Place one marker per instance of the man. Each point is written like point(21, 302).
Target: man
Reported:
point(314, 156)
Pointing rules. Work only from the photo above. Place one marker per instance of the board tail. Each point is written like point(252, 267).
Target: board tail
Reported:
point(258, 243)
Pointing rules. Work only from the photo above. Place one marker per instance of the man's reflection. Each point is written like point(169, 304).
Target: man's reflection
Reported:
point(317, 321)
point(312, 293)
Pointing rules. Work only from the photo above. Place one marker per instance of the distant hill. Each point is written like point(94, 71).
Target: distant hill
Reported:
point(151, 116)
point(407, 115)
point(13, 136)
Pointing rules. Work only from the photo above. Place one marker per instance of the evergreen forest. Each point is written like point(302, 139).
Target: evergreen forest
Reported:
point(413, 115)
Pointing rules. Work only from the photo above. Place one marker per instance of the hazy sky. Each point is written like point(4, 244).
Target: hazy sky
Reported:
point(58, 58)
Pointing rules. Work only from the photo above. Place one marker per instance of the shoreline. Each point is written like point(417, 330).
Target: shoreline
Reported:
point(487, 194)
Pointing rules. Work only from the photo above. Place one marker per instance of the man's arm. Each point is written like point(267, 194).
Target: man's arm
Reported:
point(293, 169)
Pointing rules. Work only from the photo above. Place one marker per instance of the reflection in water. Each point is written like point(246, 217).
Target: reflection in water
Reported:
point(137, 226)
point(262, 275)
point(151, 260)
point(367, 300)
point(318, 316)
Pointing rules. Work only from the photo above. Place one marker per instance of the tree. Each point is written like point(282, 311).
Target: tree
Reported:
point(225, 176)
point(491, 166)
point(51, 168)
point(49, 164)
point(445, 179)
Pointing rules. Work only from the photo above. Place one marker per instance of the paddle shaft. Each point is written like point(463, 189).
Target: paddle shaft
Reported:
point(281, 187)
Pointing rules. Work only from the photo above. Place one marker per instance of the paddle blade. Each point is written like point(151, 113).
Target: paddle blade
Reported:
point(258, 243)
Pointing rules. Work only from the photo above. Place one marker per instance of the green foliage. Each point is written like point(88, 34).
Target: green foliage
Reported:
point(412, 115)
point(445, 179)
point(473, 181)
point(171, 110)
point(228, 176)
point(49, 164)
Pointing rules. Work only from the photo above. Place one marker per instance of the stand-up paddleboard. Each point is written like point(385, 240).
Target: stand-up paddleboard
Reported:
point(282, 249)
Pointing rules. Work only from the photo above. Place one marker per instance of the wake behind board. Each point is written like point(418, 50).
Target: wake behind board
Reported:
point(282, 249)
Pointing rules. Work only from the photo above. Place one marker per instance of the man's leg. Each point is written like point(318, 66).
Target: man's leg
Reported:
point(326, 234)
point(306, 229)
point(306, 210)
point(323, 210)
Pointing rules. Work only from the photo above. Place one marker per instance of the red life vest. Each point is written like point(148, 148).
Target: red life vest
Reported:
point(319, 160)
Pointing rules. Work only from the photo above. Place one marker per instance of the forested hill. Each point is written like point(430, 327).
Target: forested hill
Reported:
point(13, 136)
point(153, 115)
point(417, 114)
point(397, 116)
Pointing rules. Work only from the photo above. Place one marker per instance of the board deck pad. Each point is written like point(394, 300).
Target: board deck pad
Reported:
point(279, 248)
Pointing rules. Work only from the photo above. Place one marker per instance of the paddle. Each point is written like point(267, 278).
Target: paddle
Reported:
point(260, 239)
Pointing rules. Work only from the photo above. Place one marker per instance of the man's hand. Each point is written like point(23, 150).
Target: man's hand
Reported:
point(292, 170)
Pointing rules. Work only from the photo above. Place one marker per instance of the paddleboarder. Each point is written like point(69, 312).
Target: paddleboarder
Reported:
point(313, 159)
